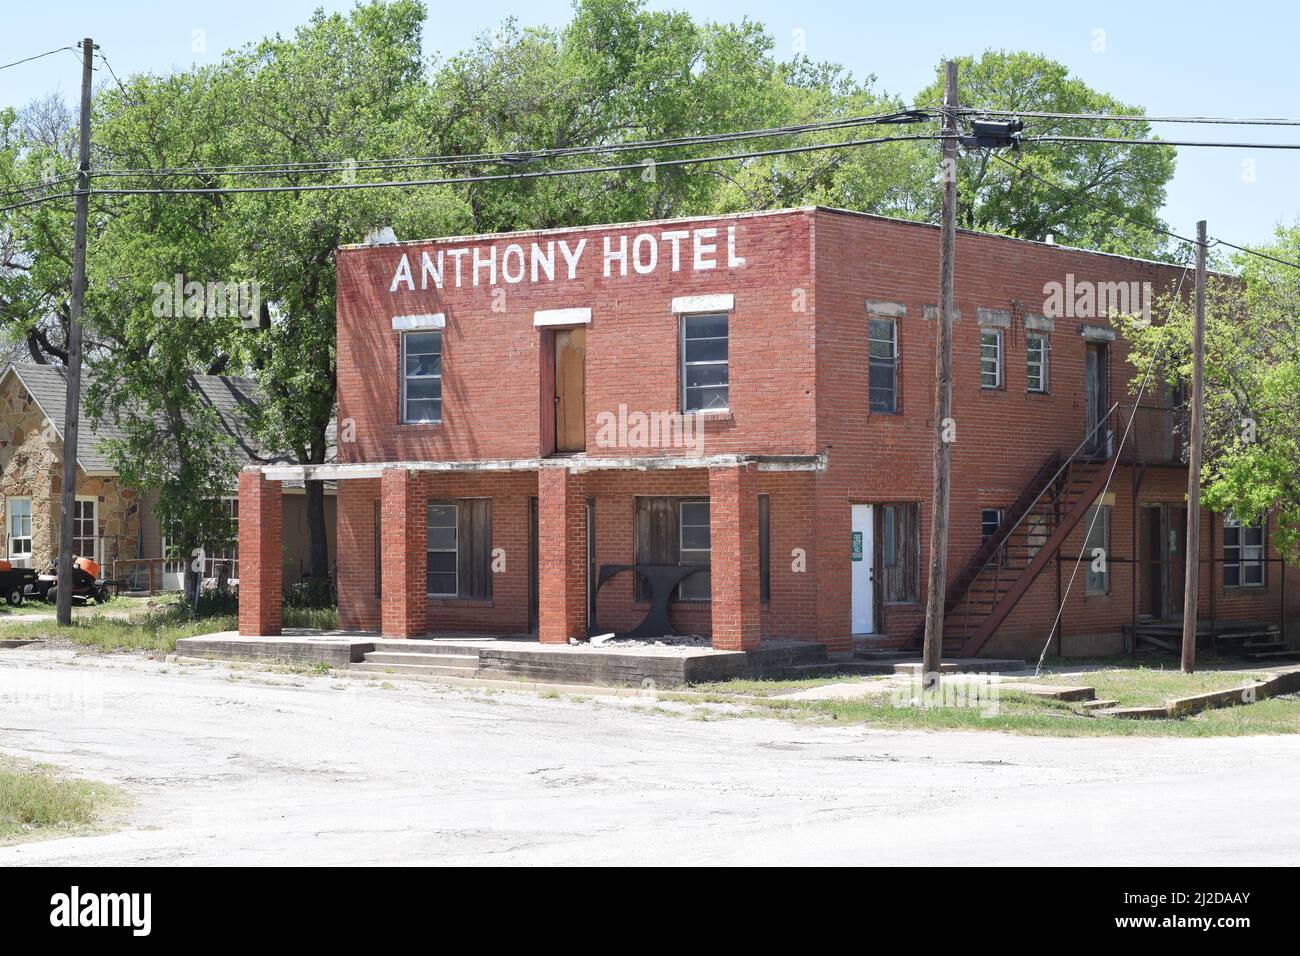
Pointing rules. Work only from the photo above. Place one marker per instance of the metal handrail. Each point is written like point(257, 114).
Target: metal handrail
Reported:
point(1001, 537)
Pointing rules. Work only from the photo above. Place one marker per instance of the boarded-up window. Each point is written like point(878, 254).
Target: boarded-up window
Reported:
point(674, 531)
point(459, 548)
point(899, 556)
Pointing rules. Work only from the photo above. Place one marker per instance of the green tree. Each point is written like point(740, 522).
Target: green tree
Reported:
point(1124, 185)
point(343, 87)
point(1251, 449)
point(168, 437)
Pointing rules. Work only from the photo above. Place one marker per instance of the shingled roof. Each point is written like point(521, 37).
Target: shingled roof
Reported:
point(230, 396)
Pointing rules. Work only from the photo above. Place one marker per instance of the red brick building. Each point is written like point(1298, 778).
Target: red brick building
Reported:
point(751, 394)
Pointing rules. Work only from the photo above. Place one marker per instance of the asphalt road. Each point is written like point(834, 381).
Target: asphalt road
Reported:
point(248, 767)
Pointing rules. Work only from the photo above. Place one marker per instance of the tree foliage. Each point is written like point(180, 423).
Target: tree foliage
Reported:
point(351, 87)
point(1251, 453)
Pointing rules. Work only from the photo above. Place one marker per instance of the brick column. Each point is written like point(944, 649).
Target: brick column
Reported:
point(403, 520)
point(261, 554)
point(562, 557)
point(733, 530)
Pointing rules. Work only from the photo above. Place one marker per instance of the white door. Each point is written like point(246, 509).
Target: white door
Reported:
point(864, 573)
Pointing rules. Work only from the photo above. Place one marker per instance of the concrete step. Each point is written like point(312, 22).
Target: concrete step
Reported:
point(1095, 705)
point(1280, 654)
point(425, 647)
point(1132, 713)
point(429, 660)
point(413, 670)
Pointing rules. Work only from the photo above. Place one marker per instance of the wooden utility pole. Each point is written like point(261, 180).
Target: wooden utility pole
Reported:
point(937, 587)
point(72, 401)
point(1191, 587)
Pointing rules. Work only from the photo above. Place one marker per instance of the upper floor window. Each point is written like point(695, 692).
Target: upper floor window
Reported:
point(1036, 351)
point(705, 371)
point(882, 370)
point(991, 358)
point(421, 377)
point(1243, 554)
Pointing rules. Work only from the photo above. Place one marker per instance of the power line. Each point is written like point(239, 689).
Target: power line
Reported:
point(1156, 142)
point(1079, 197)
point(528, 156)
point(57, 49)
point(523, 174)
point(1136, 117)
point(33, 202)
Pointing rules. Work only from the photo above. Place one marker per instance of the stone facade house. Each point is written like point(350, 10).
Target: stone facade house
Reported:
point(113, 523)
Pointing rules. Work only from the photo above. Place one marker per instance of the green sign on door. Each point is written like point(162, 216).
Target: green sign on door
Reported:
point(857, 546)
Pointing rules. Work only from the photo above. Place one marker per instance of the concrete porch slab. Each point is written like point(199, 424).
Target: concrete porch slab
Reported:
point(517, 657)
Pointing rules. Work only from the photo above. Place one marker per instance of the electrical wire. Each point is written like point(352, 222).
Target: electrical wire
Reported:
point(1156, 142)
point(1133, 117)
point(57, 49)
point(1079, 197)
point(521, 175)
point(513, 158)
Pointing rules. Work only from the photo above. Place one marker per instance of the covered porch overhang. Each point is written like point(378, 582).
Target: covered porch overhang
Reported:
point(578, 464)
point(561, 556)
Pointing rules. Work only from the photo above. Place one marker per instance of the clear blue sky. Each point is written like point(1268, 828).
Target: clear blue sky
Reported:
point(1185, 58)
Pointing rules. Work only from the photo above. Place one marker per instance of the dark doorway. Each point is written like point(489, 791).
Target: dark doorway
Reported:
point(1096, 397)
point(1163, 559)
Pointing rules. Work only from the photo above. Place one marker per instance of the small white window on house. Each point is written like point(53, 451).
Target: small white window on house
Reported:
point(882, 370)
point(695, 547)
point(84, 528)
point(1243, 554)
point(991, 358)
point(705, 368)
point(441, 551)
point(20, 531)
point(1036, 352)
point(421, 377)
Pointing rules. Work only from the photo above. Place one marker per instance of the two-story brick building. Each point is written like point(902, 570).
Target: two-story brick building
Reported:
point(751, 394)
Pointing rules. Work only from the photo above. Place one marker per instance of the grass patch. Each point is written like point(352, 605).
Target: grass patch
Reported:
point(1018, 712)
point(38, 802)
point(158, 630)
point(1152, 686)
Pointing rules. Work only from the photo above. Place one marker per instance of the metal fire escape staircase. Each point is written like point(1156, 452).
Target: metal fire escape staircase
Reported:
point(1028, 540)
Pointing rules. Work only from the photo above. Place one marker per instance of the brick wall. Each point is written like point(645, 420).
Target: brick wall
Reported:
point(261, 534)
point(798, 356)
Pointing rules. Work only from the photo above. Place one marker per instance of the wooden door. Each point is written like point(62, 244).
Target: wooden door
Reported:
point(570, 381)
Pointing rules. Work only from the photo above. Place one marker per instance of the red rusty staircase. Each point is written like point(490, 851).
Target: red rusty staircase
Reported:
point(1031, 534)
